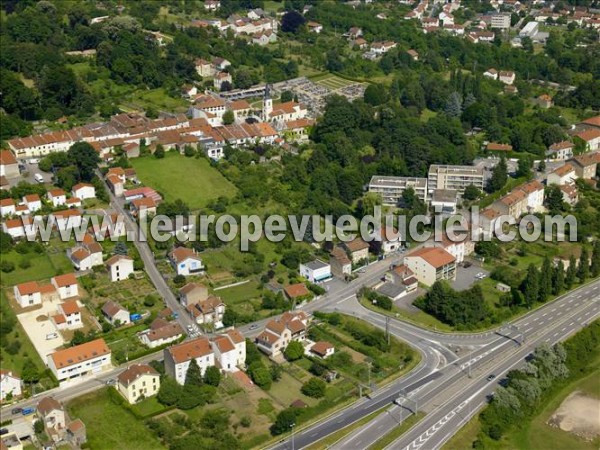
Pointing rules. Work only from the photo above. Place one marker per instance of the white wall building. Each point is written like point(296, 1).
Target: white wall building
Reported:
point(73, 362)
point(177, 358)
point(315, 271)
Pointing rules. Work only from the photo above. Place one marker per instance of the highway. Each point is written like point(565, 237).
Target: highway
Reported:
point(441, 384)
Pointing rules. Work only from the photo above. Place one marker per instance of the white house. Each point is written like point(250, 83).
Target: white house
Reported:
point(390, 239)
point(137, 382)
point(177, 358)
point(220, 78)
point(209, 311)
point(57, 197)
point(227, 354)
point(19, 227)
point(86, 255)
point(66, 285)
point(280, 332)
point(66, 219)
point(119, 267)
point(88, 358)
point(561, 150)
point(33, 202)
point(563, 175)
point(115, 313)
point(507, 77)
point(534, 190)
point(71, 313)
point(322, 349)
point(10, 383)
point(83, 191)
point(29, 293)
point(315, 271)
point(160, 333)
point(7, 207)
point(186, 261)
point(491, 73)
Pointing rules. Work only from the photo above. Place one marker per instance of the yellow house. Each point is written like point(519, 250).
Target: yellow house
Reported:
point(138, 382)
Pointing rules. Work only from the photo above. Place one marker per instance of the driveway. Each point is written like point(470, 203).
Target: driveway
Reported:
point(37, 330)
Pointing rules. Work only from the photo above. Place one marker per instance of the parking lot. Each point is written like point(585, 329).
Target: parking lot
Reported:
point(37, 325)
point(466, 276)
point(28, 170)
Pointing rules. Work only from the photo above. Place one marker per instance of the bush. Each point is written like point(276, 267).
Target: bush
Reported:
point(246, 422)
point(149, 301)
point(7, 266)
point(179, 280)
point(284, 421)
point(315, 388)
point(294, 351)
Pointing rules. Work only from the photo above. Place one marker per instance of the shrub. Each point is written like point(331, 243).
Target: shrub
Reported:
point(315, 387)
point(294, 351)
point(7, 266)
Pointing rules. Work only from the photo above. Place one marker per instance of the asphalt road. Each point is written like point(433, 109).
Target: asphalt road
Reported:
point(553, 322)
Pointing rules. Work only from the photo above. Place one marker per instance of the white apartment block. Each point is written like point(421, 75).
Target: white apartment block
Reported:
point(392, 188)
point(454, 177)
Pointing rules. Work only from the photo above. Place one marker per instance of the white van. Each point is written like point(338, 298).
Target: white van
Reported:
point(39, 178)
point(51, 336)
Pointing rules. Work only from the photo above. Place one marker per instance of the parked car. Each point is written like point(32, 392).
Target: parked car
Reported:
point(16, 410)
point(28, 410)
point(3, 431)
point(39, 178)
point(491, 377)
point(253, 326)
point(111, 382)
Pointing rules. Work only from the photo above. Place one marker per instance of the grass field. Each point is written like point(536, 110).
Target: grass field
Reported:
point(109, 426)
point(26, 351)
point(189, 179)
point(331, 81)
point(43, 266)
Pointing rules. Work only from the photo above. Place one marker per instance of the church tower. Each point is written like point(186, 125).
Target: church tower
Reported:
point(267, 103)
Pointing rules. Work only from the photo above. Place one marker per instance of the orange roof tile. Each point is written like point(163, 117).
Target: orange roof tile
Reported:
point(79, 353)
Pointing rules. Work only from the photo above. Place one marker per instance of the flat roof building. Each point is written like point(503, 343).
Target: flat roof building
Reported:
point(454, 177)
point(392, 188)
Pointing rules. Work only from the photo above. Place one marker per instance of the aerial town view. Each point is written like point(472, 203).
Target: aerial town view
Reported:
point(300, 224)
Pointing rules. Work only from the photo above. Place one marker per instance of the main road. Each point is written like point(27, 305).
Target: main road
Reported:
point(442, 374)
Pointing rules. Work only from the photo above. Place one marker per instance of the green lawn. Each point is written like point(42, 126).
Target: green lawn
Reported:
point(110, 426)
point(43, 266)
point(26, 351)
point(192, 180)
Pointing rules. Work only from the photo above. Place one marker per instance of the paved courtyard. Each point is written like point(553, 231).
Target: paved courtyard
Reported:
point(37, 325)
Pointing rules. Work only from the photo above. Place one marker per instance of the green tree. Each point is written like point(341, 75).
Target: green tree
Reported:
point(212, 376)
point(595, 266)
point(284, 422)
point(315, 388)
point(472, 192)
point(583, 268)
point(558, 278)
point(499, 176)
point(194, 375)
point(531, 285)
point(85, 158)
point(6, 242)
point(571, 275)
point(169, 391)
point(38, 426)
point(524, 167)
point(453, 105)
point(375, 94)
point(545, 280)
point(294, 351)
point(554, 199)
point(228, 117)
point(30, 372)
point(159, 153)
point(292, 21)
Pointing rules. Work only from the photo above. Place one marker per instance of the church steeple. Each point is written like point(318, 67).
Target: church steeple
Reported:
point(267, 103)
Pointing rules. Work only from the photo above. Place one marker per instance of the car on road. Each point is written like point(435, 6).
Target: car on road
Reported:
point(190, 328)
point(34, 161)
point(363, 270)
point(111, 382)
point(16, 410)
point(3, 431)
point(480, 276)
point(467, 264)
point(491, 377)
point(28, 410)
point(39, 178)
point(253, 326)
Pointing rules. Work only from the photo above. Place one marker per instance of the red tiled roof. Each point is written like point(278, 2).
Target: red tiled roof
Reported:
point(434, 256)
point(79, 353)
point(190, 349)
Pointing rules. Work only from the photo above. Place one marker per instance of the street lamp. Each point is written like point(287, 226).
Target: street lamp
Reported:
point(292, 427)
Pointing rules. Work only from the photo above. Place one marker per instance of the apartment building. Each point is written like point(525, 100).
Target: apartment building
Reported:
point(454, 177)
point(84, 359)
point(392, 188)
